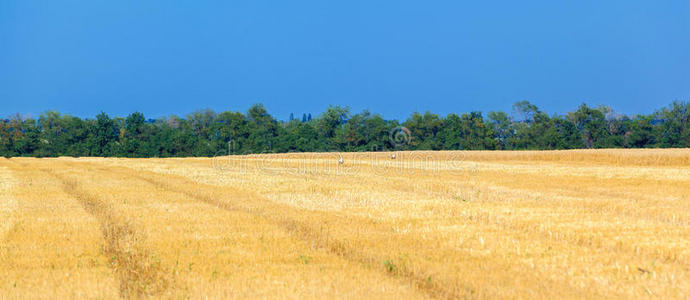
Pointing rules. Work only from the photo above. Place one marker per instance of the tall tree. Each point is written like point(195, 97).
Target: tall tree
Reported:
point(104, 136)
point(592, 124)
point(502, 128)
point(329, 122)
point(263, 130)
point(674, 130)
point(424, 128)
point(641, 132)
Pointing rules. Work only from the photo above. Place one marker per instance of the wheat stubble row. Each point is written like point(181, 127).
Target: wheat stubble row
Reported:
point(53, 247)
point(613, 227)
point(567, 224)
point(171, 245)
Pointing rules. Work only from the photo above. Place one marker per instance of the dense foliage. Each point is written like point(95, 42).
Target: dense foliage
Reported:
point(207, 133)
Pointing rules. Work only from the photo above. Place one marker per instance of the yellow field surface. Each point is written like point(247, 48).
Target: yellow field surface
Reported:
point(452, 224)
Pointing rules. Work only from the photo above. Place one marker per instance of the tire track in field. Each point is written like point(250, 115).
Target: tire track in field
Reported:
point(138, 276)
point(323, 240)
point(312, 233)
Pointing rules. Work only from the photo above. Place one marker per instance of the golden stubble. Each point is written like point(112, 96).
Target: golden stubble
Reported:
point(53, 248)
point(451, 224)
point(8, 203)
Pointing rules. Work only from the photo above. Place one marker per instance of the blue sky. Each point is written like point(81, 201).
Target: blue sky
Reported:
point(392, 57)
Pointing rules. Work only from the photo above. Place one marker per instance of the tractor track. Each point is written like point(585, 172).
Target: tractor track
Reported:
point(303, 230)
point(138, 276)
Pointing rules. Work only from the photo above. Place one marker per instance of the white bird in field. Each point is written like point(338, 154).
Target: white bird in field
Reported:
point(393, 156)
point(341, 161)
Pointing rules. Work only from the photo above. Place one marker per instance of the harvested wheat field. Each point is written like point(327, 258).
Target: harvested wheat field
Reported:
point(475, 224)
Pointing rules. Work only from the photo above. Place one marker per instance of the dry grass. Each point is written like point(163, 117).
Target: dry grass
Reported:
point(566, 224)
point(52, 247)
point(8, 203)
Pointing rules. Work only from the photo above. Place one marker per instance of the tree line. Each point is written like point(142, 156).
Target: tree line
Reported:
point(207, 133)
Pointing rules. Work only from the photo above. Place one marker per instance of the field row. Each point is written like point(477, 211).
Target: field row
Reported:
point(483, 227)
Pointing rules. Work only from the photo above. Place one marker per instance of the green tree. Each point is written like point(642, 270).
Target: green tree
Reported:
point(27, 136)
point(233, 132)
point(674, 130)
point(641, 132)
point(424, 129)
point(329, 122)
point(263, 130)
point(502, 128)
point(525, 111)
point(133, 139)
point(104, 135)
point(591, 123)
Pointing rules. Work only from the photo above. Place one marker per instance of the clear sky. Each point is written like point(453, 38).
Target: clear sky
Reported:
point(392, 57)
